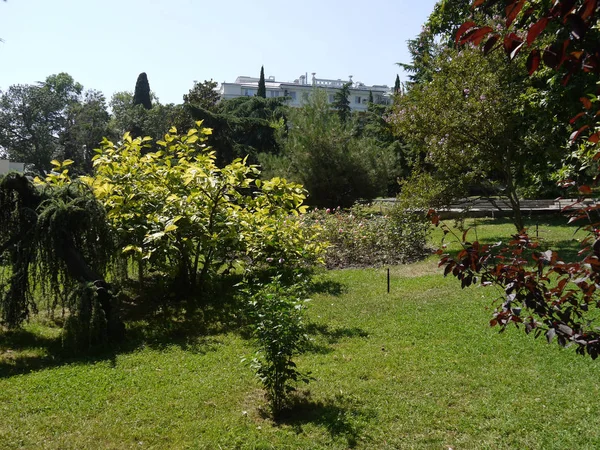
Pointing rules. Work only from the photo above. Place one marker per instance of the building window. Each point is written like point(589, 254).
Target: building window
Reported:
point(357, 100)
point(331, 98)
point(249, 92)
point(273, 93)
point(292, 95)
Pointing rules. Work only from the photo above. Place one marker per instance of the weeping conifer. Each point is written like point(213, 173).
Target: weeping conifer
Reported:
point(55, 242)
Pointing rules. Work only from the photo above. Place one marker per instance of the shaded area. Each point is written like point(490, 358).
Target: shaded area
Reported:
point(343, 417)
point(23, 351)
point(151, 322)
point(330, 336)
point(329, 287)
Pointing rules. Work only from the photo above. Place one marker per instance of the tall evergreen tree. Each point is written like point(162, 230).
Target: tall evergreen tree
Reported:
point(262, 89)
point(141, 95)
point(341, 103)
point(370, 97)
point(397, 84)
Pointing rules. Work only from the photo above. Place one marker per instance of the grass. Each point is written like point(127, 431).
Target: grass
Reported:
point(416, 368)
point(553, 231)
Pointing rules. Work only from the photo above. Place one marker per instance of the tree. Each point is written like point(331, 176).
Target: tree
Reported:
point(56, 240)
point(139, 121)
point(203, 95)
point(87, 124)
point(244, 127)
point(472, 125)
point(370, 97)
point(341, 103)
point(336, 167)
point(192, 221)
point(36, 120)
point(397, 85)
point(262, 89)
point(141, 96)
point(540, 290)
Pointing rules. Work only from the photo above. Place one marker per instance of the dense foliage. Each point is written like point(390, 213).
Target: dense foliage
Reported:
point(51, 119)
point(365, 237)
point(335, 166)
point(541, 291)
point(276, 312)
point(191, 221)
point(58, 246)
point(479, 128)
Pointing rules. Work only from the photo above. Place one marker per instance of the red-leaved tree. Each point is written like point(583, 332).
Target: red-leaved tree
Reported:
point(543, 293)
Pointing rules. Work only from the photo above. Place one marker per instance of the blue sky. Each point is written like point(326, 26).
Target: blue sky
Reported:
point(105, 44)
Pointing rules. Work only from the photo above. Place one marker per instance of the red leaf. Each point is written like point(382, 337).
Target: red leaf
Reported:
point(576, 134)
point(587, 104)
point(576, 118)
point(594, 138)
point(563, 7)
point(533, 61)
point(553, 55)
point(463, 28)
point(512, 44)
point(477, 3)
point(536, 29)
point(578, 26)
point(585, 189)
point(478, 35)
point(489, 45)
point(512, 11)
point(588, 10)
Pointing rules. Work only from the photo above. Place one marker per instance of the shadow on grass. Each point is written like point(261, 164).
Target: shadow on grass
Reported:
point(328, 287)
point(22, 352)
point(330, 336)
point(151, 325)
point(341, 416)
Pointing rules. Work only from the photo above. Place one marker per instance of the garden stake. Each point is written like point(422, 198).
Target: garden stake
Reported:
point(388, 273)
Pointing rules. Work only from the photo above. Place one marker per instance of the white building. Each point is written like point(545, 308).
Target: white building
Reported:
point(300, 88)
point(7, 166)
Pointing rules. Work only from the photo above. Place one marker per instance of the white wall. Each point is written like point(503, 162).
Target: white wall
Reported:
point(7, 166)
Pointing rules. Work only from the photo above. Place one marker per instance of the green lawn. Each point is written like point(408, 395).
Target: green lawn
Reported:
point(416, 368)
point(552, 231)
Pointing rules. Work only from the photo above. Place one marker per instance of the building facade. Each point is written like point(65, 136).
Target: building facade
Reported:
point(8, 166)
point(298, 90)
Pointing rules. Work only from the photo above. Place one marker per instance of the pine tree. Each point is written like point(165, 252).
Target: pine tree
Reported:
point(370, 97)
point(397, 85)
point(141, 95)
point(262, 89)
point(341, 103)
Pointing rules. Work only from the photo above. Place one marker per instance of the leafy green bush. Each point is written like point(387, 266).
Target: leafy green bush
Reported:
point(176, 212)
point(277, 321)
point(361, 237)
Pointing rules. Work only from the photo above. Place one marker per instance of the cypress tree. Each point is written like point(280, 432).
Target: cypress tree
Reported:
point(397, 85)
point(370, 96)
point(342, 104)
point(141, 95)
point(262, 89)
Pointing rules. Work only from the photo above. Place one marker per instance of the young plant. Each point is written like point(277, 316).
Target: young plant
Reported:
point(277, 321)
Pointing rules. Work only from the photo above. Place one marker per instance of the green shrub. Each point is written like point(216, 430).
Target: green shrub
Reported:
point(359, 237)
point(180, 215)
point(277, 321)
